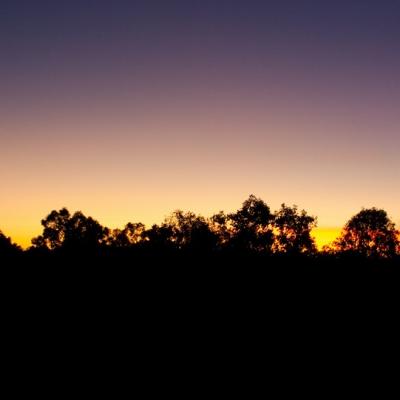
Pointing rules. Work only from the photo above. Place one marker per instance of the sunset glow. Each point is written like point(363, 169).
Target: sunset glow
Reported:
point(130, 110)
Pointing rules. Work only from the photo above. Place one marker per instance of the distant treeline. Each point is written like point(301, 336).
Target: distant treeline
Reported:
point(251, 230)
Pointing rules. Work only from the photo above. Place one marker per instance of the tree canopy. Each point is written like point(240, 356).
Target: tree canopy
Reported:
point(7, 247)
point(252, 229)
point(293, 231)
point(63, 231)
point(370, 233)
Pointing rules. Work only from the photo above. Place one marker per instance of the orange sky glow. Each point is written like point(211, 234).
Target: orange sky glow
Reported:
point(128, 111)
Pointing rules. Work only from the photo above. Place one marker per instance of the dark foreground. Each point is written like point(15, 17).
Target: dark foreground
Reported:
point(224, 274)
point(155, 311)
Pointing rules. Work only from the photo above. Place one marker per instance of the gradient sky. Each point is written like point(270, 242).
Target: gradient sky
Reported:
point(128, 110)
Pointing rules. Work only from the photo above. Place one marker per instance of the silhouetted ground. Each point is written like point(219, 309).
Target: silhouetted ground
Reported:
point(206, 311)
point(227, 274)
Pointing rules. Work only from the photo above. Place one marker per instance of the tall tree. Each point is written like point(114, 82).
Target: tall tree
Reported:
point(159, 238)
point(190, 231)
point(55, 227)
point(61, 230)
point(219, 225)
point(252, 230)
point(369, 233)
point(131, 235)
point(293, 231)
point(84, 232)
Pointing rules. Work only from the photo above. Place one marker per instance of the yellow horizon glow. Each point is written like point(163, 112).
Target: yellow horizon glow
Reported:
point(325, 236)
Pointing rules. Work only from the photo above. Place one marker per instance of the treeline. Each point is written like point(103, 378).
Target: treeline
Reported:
point(252, 230)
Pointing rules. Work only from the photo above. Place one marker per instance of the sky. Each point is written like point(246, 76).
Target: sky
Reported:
point(128, 110)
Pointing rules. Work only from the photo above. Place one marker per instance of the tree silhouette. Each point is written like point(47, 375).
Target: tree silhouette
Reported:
point(293, 231)
point(190, 232)
point(219, 225)
point(251, 224)
point(158, 238)
point(76, 232)
point(369, 233)
point(131, 235)
point(7, 247)
point(84, 233)
point(253, 229)
point(55, 227)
